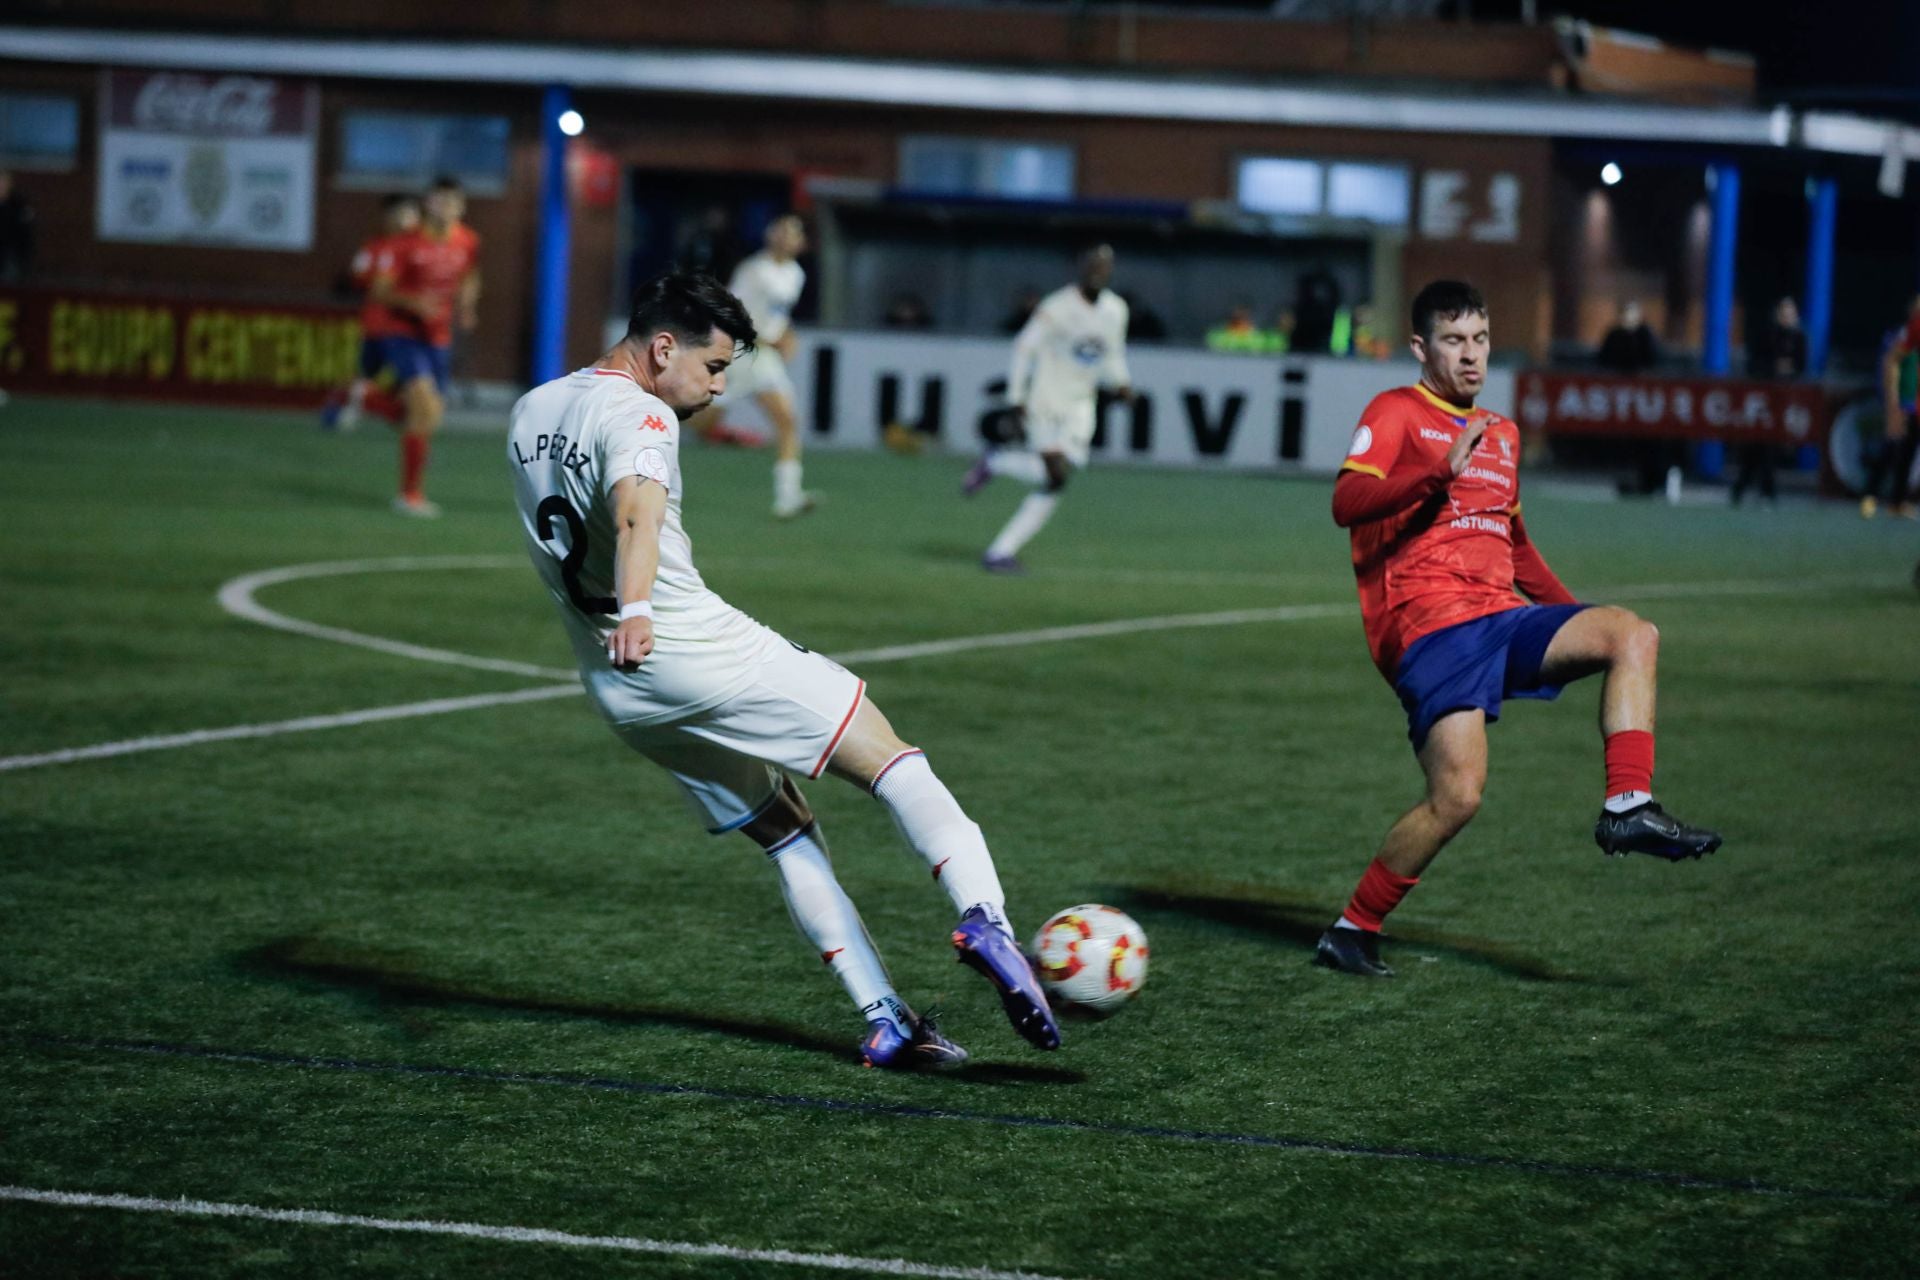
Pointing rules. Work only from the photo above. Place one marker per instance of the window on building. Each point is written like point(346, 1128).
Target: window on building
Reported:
point(1377, 193)
point(404, 151)
point(987, 167)
point(38, 131)
point(1289, 187)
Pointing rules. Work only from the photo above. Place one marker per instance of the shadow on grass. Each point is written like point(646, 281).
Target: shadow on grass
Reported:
point(1298, 920)
point(385, 981)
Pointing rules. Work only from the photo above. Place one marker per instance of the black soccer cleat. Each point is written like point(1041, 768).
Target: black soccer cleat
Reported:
point(1651, 829)
point(1354, 951)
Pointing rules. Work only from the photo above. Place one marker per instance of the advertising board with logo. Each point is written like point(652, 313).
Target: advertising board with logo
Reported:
point(1728, 409)
point(199, 159)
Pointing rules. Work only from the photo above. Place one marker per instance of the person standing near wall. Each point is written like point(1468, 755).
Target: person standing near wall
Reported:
point(1777, 354)
point(1898, 367)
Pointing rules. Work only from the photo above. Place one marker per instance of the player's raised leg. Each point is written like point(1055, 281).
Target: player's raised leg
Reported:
point(1048, 474)
point(790, 498)
point(826, 917)
point(939, 831)
point(1454, 760)
point(424, 408)
point(1627, 648)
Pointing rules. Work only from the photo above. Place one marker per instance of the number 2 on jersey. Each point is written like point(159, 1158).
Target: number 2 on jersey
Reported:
point(557, 507)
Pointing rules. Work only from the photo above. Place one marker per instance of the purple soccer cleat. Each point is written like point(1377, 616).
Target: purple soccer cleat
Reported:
point(925, 1050)
point(986, 947)
point(976, 479)
point(1008, 565)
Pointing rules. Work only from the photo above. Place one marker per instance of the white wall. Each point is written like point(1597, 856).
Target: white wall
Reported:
point(1197, 408)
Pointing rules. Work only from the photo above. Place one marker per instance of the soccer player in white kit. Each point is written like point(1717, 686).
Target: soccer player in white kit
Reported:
point(770, 283)
point(1074, 344)
point(725, 705)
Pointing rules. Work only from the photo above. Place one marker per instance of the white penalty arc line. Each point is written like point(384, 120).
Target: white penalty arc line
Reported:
point(237, 598)
point(513, 1235)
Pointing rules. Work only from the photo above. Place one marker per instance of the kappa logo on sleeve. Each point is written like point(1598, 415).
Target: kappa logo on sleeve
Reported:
point(652, 422)
point(1362, 441)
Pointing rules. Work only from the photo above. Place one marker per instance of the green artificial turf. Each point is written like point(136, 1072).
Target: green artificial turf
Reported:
point(1587, 1066)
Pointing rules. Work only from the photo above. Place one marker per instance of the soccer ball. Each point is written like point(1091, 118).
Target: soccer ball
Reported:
point(1091, 959)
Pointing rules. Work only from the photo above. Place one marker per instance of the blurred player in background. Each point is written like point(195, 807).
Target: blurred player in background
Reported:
point(726, 706)
point(1431, 492)
point(1074, 344)
point(424, 282)
point(770, 283)
point(1900, 435)
point(373, 389)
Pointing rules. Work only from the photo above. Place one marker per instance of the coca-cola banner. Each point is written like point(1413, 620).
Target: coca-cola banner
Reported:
point(1697, 408)
point(199, 159)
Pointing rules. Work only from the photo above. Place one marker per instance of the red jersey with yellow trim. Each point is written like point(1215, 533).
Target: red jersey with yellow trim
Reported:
point(426, 266)
point(1447, 558)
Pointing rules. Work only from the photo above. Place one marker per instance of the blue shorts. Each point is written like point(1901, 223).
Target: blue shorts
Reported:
point(1478, 663)
point(404, 359)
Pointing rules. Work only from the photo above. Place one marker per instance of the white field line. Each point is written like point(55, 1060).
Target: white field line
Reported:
point(512, 1235)
point(237, 597)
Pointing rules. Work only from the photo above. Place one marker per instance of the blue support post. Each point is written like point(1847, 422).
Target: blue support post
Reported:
point(556, 230)
point(1717, 358)
point(1822, 220)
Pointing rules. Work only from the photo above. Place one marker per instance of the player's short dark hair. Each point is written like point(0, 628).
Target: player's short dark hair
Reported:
point(1445, 300)
point(447, 182)
point(690, 305)
point(398, 200)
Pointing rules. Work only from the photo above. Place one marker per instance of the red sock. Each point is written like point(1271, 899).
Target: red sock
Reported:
point(1380, 891)
point(1629, 762)
point(413, 464)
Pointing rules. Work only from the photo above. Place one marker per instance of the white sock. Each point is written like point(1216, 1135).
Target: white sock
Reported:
point(1344, 923)
point(939, 831)
point(786, 483)
point(826, 917)
point(1017, 464)
point(1029, 518)
point(1628, 800)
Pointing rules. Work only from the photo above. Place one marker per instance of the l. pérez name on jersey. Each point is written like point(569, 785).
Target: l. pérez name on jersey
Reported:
point(549, 447)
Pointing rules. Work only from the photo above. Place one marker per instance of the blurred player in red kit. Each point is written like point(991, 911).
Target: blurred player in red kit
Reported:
point(422, 283)
point(1431, 493)
point(372, 389)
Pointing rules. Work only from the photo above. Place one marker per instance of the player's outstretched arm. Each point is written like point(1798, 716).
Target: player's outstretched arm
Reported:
point(1530, 571)
point(639, 509)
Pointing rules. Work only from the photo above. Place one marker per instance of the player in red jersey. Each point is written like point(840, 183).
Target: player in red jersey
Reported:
point(373, 386)
point(422, 283)
point(1431, 493)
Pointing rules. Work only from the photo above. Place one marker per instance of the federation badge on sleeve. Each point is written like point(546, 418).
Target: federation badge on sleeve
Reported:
point(1362, 441)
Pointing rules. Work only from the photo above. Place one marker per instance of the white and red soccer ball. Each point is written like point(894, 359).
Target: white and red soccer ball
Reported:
point(1091, 959)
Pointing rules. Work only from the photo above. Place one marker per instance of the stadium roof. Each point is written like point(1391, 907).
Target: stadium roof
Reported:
point(1512, 113)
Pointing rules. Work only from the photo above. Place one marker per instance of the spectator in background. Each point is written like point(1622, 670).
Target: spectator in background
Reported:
point(1017, 316)
point(1237, 333)
point(1316, 310)
point(1899, 379)
point(1778, 354)
point(1369, 342)
point(908, 311)
point(1629, 349)
point(16, 231)
point(1143, 322)
point(1629, 346)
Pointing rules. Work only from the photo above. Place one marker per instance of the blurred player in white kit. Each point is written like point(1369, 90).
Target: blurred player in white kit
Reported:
point(770, 283)
point(1074, 344)
point(725, 705)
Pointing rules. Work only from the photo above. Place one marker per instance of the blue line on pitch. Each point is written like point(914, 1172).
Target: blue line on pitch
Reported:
point(1514, 1164)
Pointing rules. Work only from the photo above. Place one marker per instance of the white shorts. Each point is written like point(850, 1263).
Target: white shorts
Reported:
point(760, 371)
point(1063, 429)
point(728, 758)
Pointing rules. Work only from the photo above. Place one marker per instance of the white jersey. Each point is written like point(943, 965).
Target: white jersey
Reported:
point(1068, 350)
point(571, 441)
point(770, 290)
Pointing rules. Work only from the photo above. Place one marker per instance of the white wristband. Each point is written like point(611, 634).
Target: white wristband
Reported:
point(636, 609)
